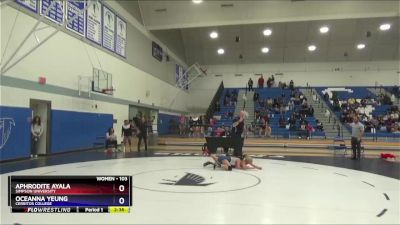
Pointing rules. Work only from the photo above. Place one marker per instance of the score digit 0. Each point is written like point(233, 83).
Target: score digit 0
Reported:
point(121, 188)
point(121, 200)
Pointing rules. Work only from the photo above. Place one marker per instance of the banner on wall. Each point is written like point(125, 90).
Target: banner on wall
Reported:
point(76, 8)
point(157, 51)
point(31, 5)
point(108, 29)
point(56, 12)
point(120, 43)
point(93, 22)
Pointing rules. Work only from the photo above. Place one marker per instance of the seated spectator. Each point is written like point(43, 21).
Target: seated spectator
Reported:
point(309, 129)
point(256, 96)
point(284, 85)
point(336, 105)
point(220, 131)
point(320, 126)
point(265, 129)
point(217, 107)
point(230, 115)
point(395, 90)
point(302, 132)
point(282, 122)
point(392, 98)
point(326, 96)
point(111, 140)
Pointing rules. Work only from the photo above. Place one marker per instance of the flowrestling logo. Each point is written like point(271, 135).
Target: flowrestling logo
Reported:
point(6, 125)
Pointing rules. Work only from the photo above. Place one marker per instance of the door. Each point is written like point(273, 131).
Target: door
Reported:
point(42, 109)
point(154, 117)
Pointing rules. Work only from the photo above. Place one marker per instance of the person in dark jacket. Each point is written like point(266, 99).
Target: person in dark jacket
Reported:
point(142, 127)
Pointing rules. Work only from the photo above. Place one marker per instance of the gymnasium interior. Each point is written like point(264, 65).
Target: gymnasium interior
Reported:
point(154, 89)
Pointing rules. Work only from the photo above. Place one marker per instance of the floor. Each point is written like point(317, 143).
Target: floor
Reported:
point(289, 189)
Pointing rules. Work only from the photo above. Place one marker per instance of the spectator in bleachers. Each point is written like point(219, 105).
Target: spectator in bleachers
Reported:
point(326, 96)
point(256, 96)
point(392, 98)
point(191, 126)
point(269, 82)
point(261, 82)
point(250, 85)
point(220, 131)
point(282, 122)
point(230, 114)
point(292, 122)
point(265, 129)
point(309, 129)
point(291, 105)
point(217, 106)
point(320, 126)
point(395, 90)
point(336, 105)
point(291, 85)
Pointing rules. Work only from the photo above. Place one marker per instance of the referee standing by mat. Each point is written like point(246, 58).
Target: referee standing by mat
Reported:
point(357, 131)
point(237, 131)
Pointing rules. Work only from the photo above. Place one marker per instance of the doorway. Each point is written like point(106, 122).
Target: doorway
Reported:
point(146, 112)
point(42, 109)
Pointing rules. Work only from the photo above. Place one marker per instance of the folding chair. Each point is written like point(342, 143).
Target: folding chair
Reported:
point(339, 144)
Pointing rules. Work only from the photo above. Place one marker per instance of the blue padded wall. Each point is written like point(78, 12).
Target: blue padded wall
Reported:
point(15, 134)
point(167, 122)
point(77, 130)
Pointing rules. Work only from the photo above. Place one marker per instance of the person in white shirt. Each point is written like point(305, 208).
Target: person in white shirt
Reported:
point(36, 133)
point(357, 131)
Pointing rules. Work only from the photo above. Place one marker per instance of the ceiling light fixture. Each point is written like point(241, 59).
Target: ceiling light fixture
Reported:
point(361, 46)
point(385, 26)
point(197, 1)
point(265, 50)
point(213, 35)
point(267, 32)
point(324, 29)
point(221, 51)
point(312, 48)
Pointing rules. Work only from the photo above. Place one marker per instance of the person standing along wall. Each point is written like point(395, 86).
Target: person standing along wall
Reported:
point(250, 85)
point(142, 126)
point(261, 82)
point(36, 133)
point(126, 134)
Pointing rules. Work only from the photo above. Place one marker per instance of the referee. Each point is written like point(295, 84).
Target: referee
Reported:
point(237, 131)
point(357, 131)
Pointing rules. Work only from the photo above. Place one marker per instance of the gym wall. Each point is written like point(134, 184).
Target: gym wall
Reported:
point(62, 59)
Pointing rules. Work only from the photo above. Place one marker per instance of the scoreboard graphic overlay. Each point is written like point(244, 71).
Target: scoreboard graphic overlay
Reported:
point(70, 194)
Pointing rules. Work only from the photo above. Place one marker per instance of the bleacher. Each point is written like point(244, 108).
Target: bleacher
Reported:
point(274, 118)
point(225, 109)
point(358, 93)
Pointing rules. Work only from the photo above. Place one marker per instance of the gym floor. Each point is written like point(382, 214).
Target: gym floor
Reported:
point(291, 188)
